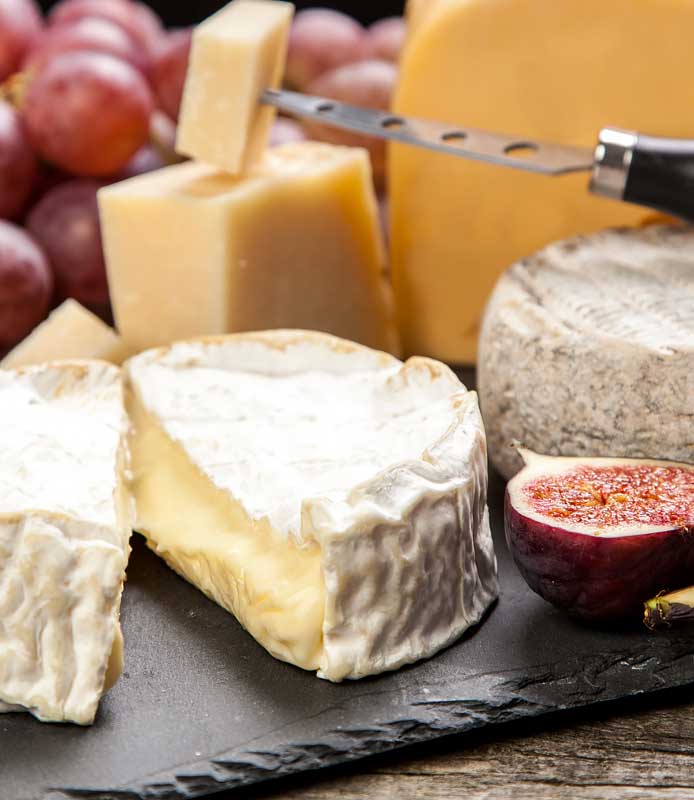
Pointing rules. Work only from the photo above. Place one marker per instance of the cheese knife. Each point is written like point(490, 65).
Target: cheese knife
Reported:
point(646, 170)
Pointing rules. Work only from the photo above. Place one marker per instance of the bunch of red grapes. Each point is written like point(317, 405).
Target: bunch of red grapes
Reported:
point(91, 95)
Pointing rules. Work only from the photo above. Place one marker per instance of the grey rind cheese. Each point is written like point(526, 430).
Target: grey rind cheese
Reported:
point(587, 348)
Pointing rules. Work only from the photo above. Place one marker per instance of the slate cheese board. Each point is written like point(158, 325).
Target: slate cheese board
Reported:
point(202, 708)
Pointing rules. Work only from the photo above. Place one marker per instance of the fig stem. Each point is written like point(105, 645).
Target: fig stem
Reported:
point(523, 452)
point(664, 609)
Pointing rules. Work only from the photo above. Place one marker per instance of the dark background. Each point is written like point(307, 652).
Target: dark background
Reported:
point(188, 12)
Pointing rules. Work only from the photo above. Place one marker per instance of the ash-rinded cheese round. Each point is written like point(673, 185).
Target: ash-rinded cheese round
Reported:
point(587, 349)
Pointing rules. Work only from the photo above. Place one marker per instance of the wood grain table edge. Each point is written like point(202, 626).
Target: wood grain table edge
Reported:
point(636, 748)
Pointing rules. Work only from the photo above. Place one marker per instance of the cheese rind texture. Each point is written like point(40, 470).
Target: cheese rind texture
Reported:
point(345, 520)
point(71, 331)
point(236, 54)
point(295, 243)
point(587, 349)
point(64, 528)
point(532, 69)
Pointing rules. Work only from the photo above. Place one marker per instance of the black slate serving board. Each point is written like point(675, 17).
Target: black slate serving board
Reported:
point(201, 707)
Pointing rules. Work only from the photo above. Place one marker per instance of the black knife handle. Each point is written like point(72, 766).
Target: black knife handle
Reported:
point(647, 170)
point(661, 175)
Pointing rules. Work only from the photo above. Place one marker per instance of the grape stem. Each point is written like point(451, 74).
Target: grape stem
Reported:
point(13, 89)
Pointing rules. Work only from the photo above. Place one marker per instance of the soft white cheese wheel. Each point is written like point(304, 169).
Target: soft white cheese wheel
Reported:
point(330, 496)
point(587, 349)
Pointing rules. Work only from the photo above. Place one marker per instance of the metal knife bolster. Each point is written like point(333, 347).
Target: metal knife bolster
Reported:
point(613, 155)
point(646, 170)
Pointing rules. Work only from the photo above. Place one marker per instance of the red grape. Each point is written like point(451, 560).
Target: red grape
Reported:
point(285, 130)
point(88, 113)
point(20, 25)
point(48, 177)
point(150, 24)
point(386, 38)
point(170, 66)
point(66, 223)
point(366, 83)
point(321, 40)
point(18, 165)
point(87, 33)
point(162, 133)
point(141, 24)
point(147, 159)
point(25, 284)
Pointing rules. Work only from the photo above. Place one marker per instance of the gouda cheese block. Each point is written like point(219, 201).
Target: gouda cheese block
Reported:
point(71, 331)
point(236, 54)
point(558, 71)
point(296, 243)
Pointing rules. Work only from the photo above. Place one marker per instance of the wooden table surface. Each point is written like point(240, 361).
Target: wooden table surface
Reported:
point(640, 748)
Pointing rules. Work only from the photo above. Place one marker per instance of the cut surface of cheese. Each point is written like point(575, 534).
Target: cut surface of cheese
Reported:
point(65, 521)
point(328, 495)
point(587, 349)
point(71, 331)
point(530, 68)
point(235, 55)
point(296, 243)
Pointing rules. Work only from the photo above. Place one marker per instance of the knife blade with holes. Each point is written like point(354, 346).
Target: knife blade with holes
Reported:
point(646, 170)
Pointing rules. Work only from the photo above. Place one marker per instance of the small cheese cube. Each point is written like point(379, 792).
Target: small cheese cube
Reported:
point(295, 244)
point(69, 332)
point(236, 54)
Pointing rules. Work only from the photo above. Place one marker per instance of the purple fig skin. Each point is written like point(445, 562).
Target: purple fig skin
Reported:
point(597, 577)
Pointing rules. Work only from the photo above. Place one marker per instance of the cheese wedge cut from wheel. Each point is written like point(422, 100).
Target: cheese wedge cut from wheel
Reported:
point(296, 243)
point(235, 55)
point(329, 496)
point(555, 71)
point(587, 349)
point(71, 331)
point(65, 521)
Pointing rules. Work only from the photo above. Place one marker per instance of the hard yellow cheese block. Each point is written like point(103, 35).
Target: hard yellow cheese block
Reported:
point(71, 331)
point(296, 243)
point(236, 54)
point(559, 71)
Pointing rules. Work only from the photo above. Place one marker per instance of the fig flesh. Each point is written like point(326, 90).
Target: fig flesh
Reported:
point(599, 537)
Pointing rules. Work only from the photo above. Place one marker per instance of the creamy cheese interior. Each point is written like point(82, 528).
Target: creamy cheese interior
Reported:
point(220, 489)
point(272, 586)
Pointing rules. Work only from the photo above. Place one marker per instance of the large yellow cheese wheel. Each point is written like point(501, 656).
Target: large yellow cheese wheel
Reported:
point(557, 70)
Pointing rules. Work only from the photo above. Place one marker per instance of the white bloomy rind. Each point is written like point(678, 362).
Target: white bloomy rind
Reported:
point(587, 349)
point(539, 466)
point(65, 523)
point(382, 464)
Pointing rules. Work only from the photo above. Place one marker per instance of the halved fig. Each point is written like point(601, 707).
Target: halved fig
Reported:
point(600, 536)
point(668, 608)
